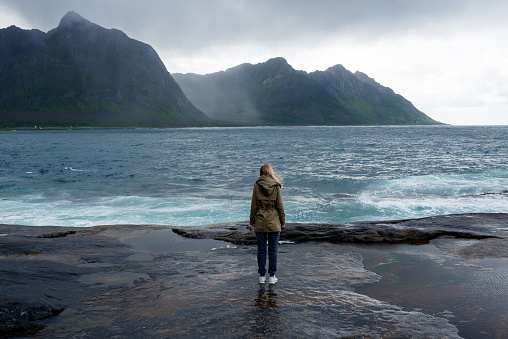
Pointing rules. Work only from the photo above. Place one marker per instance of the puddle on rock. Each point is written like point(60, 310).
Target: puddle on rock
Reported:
point(471, 294)
point(165, 240)
point(108, 279)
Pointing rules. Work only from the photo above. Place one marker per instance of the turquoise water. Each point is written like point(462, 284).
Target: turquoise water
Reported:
point(203, 176)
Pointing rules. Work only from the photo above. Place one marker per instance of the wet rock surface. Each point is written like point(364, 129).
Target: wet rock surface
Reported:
point(147, 281)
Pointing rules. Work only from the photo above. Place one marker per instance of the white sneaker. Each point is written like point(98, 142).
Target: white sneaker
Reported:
point(262, 279)
point(272, 280)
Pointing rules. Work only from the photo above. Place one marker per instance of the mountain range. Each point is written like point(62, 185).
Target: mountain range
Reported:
point(83, 74)
point(274, 93)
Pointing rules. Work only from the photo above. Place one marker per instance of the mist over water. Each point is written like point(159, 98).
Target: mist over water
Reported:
point(203, 176)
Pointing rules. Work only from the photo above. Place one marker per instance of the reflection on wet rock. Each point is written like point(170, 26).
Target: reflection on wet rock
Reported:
point(265, 298)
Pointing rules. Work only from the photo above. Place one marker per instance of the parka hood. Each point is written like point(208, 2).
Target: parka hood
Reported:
point(267, 184)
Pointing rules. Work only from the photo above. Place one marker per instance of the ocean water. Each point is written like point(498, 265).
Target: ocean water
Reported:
point(200, 176)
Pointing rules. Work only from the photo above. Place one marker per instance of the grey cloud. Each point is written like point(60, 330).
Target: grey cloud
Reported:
point(194, 24)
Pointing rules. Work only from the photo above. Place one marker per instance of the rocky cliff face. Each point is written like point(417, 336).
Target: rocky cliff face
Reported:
point(81, 73)
point(274, 93)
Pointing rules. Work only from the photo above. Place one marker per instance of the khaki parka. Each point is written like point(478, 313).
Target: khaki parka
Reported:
point(267, 209)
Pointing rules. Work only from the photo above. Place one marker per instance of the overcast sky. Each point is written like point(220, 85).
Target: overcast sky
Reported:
point(448, 57)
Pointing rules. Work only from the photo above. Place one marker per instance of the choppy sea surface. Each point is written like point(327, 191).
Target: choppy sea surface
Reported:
point(197, 176)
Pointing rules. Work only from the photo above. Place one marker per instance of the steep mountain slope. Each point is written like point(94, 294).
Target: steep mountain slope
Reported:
point(81, 73)
point(374, 103)
point(274, 93)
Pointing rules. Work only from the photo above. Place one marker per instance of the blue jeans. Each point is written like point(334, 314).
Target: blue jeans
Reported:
point(273, 246)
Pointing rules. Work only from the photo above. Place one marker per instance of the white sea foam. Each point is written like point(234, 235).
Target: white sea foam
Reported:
point(395, 199)
point(437, 194)
point(432, 205)
point(121, 210)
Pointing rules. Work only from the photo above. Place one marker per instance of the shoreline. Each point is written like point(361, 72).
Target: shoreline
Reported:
point(146, 280)
point(219, 125)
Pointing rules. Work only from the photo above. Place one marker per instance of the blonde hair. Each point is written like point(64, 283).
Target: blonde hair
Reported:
point(267, 170)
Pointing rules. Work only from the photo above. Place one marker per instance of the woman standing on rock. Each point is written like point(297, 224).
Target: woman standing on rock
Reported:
point(268, 218)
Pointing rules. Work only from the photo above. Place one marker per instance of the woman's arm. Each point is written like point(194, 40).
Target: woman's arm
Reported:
point(279, 206)
point(253, 207)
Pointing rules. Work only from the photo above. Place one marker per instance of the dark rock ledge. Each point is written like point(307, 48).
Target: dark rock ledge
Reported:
point(147, 281)
point(411, 231)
